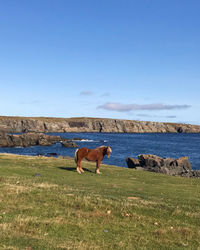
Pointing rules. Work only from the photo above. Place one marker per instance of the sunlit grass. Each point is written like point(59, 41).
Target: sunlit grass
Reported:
point(46, 204)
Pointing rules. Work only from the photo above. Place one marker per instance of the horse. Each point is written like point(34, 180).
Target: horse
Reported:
point(95, 155)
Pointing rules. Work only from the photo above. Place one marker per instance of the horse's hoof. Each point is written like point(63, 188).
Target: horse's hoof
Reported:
point(78, 171)
point(82, 171)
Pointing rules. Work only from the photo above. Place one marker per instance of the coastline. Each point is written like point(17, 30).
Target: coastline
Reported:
point(11, 124)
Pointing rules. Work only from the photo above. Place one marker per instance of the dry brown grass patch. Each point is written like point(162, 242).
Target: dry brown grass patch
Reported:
point(15, 188)
point(5, 226)
point(133, 198)
point(185, 231)
point(193, 214)
point(9, 248)
point(45, 185)
point(78, 246)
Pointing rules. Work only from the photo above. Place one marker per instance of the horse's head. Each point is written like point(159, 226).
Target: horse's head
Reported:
point(108, 151)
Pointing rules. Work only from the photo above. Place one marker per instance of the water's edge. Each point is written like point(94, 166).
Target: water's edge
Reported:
point(170, 145)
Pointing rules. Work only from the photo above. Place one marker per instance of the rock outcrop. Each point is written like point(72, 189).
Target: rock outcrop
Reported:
point(27, 139)
point(69, 144)
point(132, 162)
point(169, 166)
point(40, 124)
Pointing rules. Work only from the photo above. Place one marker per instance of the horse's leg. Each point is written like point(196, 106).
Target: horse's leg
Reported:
point(78, 166)
point(82, 171)
point(98, 166)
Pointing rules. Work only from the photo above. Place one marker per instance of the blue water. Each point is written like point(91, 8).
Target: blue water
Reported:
point(123, 145)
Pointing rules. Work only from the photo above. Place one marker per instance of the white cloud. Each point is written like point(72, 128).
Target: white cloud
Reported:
point(157, 116)
point(86, 93)
point(129, 107)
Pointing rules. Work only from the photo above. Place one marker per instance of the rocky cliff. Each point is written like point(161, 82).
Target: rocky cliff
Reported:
point(42, 124)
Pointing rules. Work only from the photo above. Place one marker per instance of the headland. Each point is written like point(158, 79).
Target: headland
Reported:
point(12, 124)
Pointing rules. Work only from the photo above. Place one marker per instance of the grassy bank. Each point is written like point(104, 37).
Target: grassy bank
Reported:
point(45, 204)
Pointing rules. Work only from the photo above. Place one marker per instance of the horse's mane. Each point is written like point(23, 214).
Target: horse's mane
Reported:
point(76, 155)
point(102, 146)
point(109, 148)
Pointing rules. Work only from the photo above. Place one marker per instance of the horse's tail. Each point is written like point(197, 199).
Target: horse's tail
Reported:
point(76, 155)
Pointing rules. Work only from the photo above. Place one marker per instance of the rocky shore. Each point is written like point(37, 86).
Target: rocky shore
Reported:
point(45, 125)
point(153, 163)
point(32, 139)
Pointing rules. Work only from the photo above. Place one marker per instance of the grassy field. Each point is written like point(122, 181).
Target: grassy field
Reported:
point(45, 204)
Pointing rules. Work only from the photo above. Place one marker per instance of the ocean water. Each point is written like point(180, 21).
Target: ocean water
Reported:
point(123, 145)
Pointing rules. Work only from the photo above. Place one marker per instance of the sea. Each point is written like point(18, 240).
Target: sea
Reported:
point(173, 145)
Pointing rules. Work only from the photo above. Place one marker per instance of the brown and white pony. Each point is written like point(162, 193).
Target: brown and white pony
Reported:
point(95, 155)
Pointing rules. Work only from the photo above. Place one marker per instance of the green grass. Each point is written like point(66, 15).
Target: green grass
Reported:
point(45, 204)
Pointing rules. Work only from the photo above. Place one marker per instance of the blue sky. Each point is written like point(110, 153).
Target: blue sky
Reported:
point(123, 59)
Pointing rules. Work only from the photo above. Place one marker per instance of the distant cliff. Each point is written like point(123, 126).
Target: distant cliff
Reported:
point(43, 124)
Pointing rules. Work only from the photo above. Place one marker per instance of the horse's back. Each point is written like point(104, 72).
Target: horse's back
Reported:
point(82, 152)
point(83, 149)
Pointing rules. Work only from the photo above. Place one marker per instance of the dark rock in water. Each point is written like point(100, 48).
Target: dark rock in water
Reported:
point(51, 154)
point(169, 166)
point(69, 144)
point(132, 162)
point(39, 154)
point(48, 154)
point(180, 130)
point(44, 142)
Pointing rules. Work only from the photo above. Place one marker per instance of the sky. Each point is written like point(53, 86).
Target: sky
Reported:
point(121, 59)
